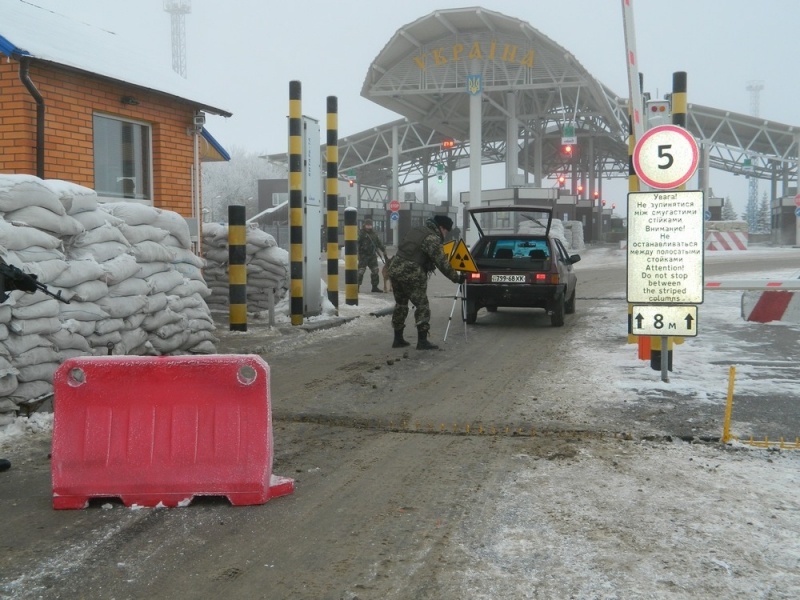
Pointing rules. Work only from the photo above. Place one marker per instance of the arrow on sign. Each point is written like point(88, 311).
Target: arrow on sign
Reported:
point(689, 321)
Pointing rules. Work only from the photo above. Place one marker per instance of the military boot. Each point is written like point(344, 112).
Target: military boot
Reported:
point(399, 342)
point(423, 343)
point(5, 464)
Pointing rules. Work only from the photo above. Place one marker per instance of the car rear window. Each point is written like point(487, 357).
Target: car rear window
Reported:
point(514, 249)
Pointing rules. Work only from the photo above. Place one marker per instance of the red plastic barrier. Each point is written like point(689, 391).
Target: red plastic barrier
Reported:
point(160, 430)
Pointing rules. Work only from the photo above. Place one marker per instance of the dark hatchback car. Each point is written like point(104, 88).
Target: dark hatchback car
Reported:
point(520, 264)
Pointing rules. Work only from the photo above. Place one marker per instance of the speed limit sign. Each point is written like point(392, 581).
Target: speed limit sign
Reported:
point(665, 157)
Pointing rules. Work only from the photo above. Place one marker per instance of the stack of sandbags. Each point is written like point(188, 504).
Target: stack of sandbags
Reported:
point(30, 357)
point(573, 230)
point(117, 274)
point(267, 267)
point(176, 318)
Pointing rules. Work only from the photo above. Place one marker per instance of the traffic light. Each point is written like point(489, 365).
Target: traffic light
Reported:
point(596, 194)
point(580, 189)
point(440, 171)
point(448, 144)
point(351, 182)
point(604, 202)
point(566, 150)
point(562, 181)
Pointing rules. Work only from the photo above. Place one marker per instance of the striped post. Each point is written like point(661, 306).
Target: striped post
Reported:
point(296, 202)
point(659, 361)
point(332, 198)
point(351, 256)
point(679, 105)
point(237, 271)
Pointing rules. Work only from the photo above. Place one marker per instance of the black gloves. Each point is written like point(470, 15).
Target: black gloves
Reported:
point(462, 277)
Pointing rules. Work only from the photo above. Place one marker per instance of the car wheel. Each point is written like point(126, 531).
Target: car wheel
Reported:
point(557, 316)
point(491, 308)
point(470, 311)
point(569, 308)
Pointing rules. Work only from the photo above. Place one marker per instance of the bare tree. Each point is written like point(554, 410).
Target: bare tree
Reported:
point(235, 182)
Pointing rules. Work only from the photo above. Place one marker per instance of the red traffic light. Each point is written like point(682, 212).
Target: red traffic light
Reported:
point(448, 144)
point(561, 181)
point(596, 194)
point(613, 206)
point(580, 189)
point(566, 149)
point(351, 182)
point(604, 202)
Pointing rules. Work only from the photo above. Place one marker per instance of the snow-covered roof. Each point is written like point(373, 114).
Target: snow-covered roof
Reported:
point(42, 34)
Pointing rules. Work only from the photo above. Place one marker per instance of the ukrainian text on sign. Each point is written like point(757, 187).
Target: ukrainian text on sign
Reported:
point(665, 247)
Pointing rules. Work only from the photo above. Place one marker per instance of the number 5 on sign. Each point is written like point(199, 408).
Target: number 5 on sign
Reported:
point(666, 157)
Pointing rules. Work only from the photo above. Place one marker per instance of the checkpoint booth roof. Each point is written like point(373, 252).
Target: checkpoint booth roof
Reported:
point(424, 71)
point(422, 75)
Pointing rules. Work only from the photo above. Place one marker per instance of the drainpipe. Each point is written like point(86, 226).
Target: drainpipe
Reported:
point(25, 78)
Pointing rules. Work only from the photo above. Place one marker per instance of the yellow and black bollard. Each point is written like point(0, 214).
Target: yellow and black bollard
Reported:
point(332, 201)
point(351, 256)
point(237, 270)
point(296, 202)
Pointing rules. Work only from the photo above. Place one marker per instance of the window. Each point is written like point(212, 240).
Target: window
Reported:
point(122, 159)
point(279, 198)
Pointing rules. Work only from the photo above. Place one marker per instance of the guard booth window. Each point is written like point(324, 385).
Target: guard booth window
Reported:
point(122, 153)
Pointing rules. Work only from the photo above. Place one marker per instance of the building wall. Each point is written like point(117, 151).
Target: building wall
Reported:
point(71, 99)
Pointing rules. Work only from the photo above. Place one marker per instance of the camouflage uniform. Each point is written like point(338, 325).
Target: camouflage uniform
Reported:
point(418, 255)
point(368, 246)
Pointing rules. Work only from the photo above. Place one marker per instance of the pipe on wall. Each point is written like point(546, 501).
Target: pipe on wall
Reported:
point(25, 78)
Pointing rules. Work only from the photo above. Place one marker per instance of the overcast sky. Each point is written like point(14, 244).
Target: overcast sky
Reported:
point(243, 53)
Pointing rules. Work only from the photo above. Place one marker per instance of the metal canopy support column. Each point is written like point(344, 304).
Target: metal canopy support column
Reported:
point(394, 189)
point(475, 137)
point(592, 169)
point(538, 169)
point(512, 139)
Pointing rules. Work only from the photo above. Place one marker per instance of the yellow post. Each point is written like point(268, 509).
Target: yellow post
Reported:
point(296, 202)
point(332, 200)
point(726, 426)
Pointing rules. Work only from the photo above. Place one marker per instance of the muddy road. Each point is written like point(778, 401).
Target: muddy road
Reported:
point(416, 477)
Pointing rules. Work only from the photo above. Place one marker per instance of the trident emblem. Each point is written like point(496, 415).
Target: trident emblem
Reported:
point(474, 84)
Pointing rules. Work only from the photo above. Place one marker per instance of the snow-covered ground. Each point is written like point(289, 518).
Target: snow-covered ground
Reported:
point(609, 518)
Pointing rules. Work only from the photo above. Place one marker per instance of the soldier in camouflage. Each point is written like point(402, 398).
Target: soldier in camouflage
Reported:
point(418, 256)
point(368, 246)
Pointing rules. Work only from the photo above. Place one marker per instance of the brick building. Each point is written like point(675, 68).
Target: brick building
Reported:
point(79, 104)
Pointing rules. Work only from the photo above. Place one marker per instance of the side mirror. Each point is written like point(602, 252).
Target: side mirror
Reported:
point(574, 258)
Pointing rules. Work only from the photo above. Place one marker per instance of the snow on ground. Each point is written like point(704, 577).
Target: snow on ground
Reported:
point(613, 519)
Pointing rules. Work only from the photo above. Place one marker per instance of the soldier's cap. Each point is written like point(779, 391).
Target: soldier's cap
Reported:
point(367, 221)
point(443, 221)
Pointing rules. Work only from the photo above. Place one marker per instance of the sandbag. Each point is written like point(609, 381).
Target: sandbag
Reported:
point(13, 237)
point(120, 268)
point(43, 218)
point(73, 197)
point(19, 190)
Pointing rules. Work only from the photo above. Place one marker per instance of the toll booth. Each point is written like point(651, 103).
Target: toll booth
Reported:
point(714, 208)
point(785, 221)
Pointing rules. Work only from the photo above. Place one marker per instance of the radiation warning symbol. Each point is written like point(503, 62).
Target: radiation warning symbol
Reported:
point(461, 259)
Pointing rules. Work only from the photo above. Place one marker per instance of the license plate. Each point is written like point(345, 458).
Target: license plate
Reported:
point(508, 278)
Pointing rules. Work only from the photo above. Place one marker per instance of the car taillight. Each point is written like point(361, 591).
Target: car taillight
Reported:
point(474, 278)
point(546, 278)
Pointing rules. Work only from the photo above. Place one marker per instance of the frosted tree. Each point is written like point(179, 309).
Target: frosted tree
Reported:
point(763, 216)
point(235, 182)
point(728, 214)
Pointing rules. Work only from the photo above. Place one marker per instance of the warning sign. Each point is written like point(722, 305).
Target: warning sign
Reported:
point(461, 259)
point(448, 248)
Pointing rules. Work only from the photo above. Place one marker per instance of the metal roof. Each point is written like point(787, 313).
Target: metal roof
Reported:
point(27, 30)
point(422, 73)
